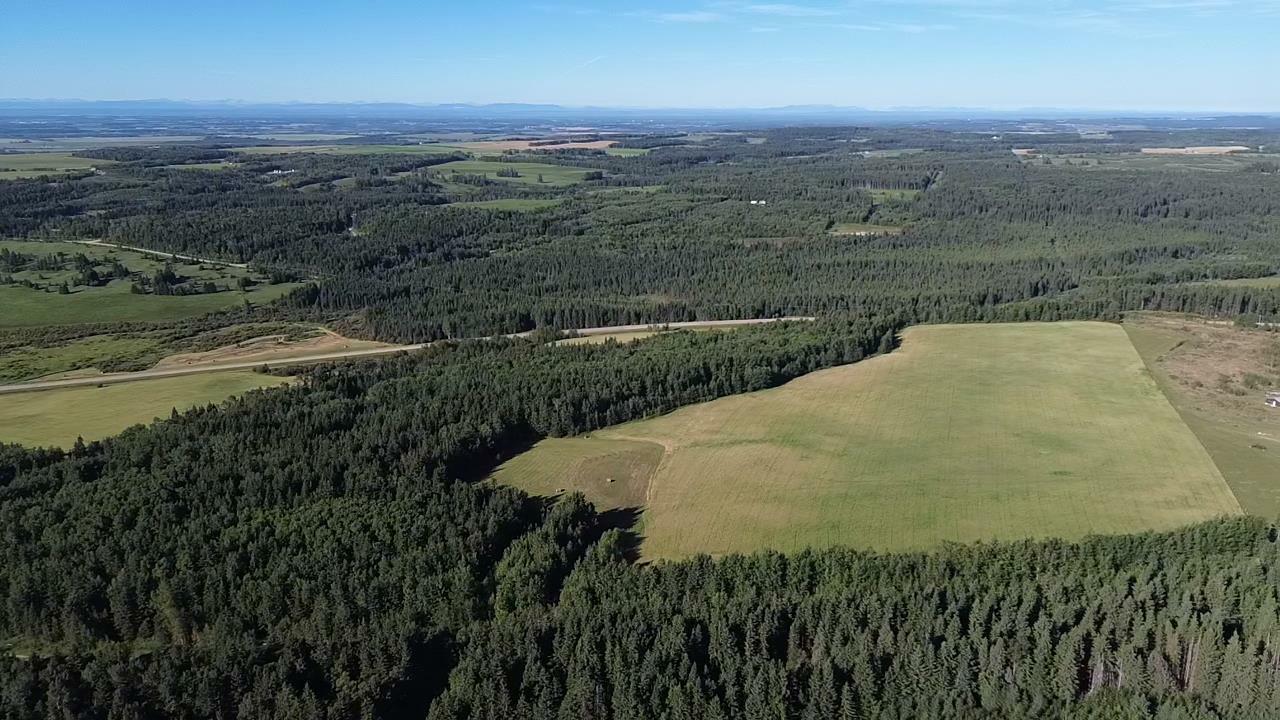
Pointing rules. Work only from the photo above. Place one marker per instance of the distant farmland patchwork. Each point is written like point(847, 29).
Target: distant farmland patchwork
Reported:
point(965, 433)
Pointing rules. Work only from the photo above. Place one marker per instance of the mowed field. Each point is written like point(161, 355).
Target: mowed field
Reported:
point(57, 417)
point(965, 433)
point(28, 165)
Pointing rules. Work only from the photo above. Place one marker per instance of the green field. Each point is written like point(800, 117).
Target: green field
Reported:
point(26, 165)
point(57, 417)
point(114, 302)
point(1139, 161)
point(965, 433)
point(28, 363)
point(554, 175)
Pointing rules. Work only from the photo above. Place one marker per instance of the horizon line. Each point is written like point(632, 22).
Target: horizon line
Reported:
point(828, 107)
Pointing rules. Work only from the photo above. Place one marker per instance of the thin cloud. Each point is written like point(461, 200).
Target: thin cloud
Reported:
point(693, 16)
point(789, 10)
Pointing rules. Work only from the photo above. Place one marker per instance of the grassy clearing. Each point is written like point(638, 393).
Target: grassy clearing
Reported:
point(621, 337)
point(114, 302)
point(553, 175)
point(626, 152)
point(966, 433)
point(57, 417)
point(1205, 371)
point(524, 204)
point(1140, 161)
point(28, 363)
point(27, 165)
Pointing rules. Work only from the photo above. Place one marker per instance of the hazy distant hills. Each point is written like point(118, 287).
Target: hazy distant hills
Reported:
point(535, 111)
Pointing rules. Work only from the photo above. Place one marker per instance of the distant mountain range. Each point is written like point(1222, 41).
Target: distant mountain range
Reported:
point(551, 112)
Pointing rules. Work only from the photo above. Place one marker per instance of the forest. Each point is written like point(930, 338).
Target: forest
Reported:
point(329, 549)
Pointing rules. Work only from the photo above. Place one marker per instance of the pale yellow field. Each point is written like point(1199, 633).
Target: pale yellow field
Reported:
point(965, 433)
point(57, 417)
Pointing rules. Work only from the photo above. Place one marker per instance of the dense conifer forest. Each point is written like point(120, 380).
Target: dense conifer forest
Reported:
point(330, 549)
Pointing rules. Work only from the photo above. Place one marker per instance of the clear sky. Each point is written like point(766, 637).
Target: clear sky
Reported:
point(1130, 54)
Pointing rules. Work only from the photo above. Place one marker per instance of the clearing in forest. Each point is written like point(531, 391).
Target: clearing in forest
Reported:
point(1218, 376)
point(965, 433)
point(57, 417)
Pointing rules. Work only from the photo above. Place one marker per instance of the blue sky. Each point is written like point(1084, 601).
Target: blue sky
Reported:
point(1130, 54)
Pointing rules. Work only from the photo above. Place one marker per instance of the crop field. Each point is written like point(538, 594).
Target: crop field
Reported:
point(27, 165)
point(57, 417)
point(551, 174)
point(965, 433)
point(114, 301)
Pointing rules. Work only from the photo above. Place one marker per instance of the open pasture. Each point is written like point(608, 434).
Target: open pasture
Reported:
point(14, 166)
point(965, 433)
point(1231, 162)
point(57, 417)
point(114, 301)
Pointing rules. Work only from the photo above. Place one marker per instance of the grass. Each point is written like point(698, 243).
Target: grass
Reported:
point(620, 337)
point(553, 175)
point(27, 165)
point(57, 417)
point(1239, 434)
point(965, 433)
point(28, 363)
point(626, 152)
point(1139, 161)
point(511, 204)
point(114, 302)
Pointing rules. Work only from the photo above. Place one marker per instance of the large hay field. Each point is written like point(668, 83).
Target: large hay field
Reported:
point(965, 433)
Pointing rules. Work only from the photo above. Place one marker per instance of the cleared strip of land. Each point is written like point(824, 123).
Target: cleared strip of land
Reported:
point(969, 432)
point(359, 352)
